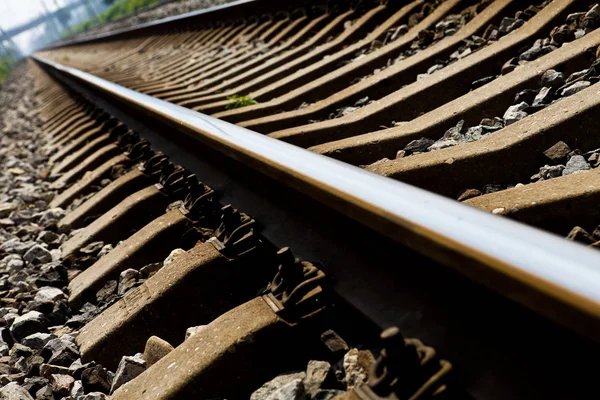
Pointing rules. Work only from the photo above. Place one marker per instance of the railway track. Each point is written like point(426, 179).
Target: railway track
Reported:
point(224, 205)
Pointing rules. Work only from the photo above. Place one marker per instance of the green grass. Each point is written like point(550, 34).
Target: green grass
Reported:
point(6, 65)
point(118, 10)
point(239, 101)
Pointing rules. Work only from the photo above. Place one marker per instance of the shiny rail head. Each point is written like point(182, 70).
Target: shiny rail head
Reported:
point(555, 277)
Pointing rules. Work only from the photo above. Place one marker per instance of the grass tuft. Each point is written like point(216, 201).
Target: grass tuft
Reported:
point(238, 101)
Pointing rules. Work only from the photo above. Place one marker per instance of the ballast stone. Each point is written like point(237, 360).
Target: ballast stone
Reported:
point(129, 368)
point(13, 391)
point(37, 255)
point(515, 113)
point(28, 324)
point(575, 165)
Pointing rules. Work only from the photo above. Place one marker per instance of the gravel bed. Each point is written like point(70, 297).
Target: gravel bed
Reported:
point(39, 356)
point(552, 87)
point(443, 29)
point(352, 367)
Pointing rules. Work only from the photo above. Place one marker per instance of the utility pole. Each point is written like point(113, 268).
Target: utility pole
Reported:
point(4, 49)
point(65, 24)
point(90, 8)
point(51, 21)
point(12, 51)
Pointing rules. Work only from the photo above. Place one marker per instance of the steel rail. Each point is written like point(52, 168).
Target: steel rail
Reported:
point(233, 9)
point(554, 277)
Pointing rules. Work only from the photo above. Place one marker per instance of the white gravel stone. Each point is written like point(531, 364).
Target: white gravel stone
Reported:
point(128, 369)
point(576, 165)
point(13, 391)
point(172, 256)
point(515, 113)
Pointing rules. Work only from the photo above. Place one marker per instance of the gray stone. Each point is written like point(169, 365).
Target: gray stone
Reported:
point(15, 264)
point(87, 312)
point(128, 369)
point(275, 384)
point(420, 145)
point(148, 270)
point(107, 290)
point(92, 248)
point(107, 248)
point(361, 102)
point(93, 396)
point(551, 171)
point(354, 374)
point(492, 125)
point(13, 391)
point(6, 209)
point(575, 88)
point(434, 68)
point(173, 255)
point(342, 112)
point(56, 254)
point(483, 81)
point(535, 52)
point(317, 373)
point(77, 389)
point(553, 79)
point(291, 391)
point(63, 352)
point(442, 144)
point(48, 293)
point(51, 216)
point(37, 255)
point(543, 97)
point(473, 134)
point(28, 324)
point(76, 366)
point(15, 246)
point(191, 331)
point(44, 393)
point(4, 349)
point(515, 113)
point(48, 237)
point(37, 340)
point(526, 95)
point(577, 75)
point(454, 131)
point(10, 318)
point(8, 310)
point(516, 25)
point(505, 24)
point(575, 165)
point(509, 66)
point(127, 280)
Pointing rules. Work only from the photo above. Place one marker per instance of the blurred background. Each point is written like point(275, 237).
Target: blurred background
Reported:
point(27, 25)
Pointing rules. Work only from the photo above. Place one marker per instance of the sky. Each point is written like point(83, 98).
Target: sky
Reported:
point(16, 12)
